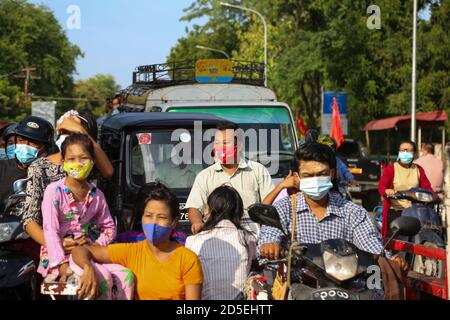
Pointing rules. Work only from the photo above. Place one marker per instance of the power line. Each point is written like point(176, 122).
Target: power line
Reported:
point(9, 74)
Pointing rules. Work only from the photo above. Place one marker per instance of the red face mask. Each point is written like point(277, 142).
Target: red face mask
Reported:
point(226, 154)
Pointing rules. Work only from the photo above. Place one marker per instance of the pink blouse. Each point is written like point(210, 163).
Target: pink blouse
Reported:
point(62, 217)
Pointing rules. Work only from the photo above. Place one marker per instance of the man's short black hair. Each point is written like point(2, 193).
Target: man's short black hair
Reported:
point(225, 125)
point(316, 152)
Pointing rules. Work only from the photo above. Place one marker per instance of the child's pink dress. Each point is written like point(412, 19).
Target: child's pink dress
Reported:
point(63, 217)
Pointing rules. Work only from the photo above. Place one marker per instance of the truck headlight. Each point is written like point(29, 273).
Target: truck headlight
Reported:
point(340, 267)
point(7, 230)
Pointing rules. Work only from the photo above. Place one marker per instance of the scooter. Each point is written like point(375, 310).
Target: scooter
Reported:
point(431, 233)
point(331, 270)
point(17, 270)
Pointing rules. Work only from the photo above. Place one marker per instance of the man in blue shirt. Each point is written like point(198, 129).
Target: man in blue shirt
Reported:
point(322, 214)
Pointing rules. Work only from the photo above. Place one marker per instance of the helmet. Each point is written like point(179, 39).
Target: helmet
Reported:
point(35, 128)
point(9, 131)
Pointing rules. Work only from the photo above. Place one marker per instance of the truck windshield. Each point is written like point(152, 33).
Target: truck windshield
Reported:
point(268, 133)
point(161, 155)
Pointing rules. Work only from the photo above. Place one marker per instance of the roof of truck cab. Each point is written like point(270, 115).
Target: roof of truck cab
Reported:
point(159, 119)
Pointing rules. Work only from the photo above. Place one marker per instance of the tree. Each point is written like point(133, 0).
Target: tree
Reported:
point(317, 45)
point(95, 90)
point(30, 35)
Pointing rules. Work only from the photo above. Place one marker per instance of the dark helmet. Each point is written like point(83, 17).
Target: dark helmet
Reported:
point(9, 131)
point(35, 128)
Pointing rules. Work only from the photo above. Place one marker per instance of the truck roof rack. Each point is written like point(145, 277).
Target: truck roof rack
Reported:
point(163, 75)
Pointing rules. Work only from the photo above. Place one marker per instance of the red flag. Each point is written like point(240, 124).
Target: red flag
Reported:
point(301, 125)
point(336, 125)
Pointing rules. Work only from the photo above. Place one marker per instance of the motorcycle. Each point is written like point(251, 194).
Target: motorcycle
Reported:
point(17, 270)
point(331, 270)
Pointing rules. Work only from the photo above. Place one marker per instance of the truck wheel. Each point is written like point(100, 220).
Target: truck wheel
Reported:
point(370, 200)
point(427, 266)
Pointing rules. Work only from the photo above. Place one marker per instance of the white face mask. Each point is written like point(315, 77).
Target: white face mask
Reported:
point(60, 141)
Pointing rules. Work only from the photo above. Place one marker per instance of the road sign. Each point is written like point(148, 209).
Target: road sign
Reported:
point(214, 71)
point(328, 102)
point(45, 110)
point(327, 111)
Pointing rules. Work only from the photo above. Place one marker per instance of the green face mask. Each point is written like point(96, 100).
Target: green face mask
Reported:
point(79, 170)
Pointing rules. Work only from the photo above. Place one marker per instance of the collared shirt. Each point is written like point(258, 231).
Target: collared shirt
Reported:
point(343, 220)
point(226, 255)
point(251, 180)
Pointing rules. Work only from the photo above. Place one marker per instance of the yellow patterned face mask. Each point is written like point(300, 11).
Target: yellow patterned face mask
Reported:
point(79, 170)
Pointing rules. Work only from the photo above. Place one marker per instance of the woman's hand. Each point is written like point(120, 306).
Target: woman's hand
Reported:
point(390, 193)
point(72, 124)
point(69, 244)
point(83, 241)
point(88, 284)
point(63, 272)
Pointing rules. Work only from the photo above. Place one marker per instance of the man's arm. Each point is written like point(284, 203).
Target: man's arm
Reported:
point(270, 239)
point(196, 201)
point(365, 235)
point(265, 184)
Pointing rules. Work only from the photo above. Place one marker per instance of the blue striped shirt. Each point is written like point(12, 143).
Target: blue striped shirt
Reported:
point(343, 220)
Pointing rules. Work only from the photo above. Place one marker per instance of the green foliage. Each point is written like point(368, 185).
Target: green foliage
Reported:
point(317, 45)
point(95, 90)
point(30, 35)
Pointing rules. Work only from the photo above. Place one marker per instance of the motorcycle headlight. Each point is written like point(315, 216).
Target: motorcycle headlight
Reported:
point(340, 267)
point(424, 197)
point(7, 230)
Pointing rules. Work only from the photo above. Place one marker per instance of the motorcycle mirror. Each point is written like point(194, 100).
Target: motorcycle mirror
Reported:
point(406, 226)
point(266, 215)
point(19, 186)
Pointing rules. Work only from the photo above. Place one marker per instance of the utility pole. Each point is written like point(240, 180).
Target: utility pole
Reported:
point(27, 76)
point(413, 82)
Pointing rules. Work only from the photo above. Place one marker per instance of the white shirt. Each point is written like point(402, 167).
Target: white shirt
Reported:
point(251, 180)
point(225, 260)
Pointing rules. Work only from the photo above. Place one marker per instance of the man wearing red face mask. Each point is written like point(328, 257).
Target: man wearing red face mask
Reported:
point(251, 179)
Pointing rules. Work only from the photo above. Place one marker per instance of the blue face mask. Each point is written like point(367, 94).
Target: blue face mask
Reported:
point(405, 157)
point(3, 154)
point(316, 187)
point(154, 233)
point(26, 154)
point(11, 151)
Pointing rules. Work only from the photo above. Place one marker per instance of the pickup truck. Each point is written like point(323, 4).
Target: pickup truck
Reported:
point(367, 172)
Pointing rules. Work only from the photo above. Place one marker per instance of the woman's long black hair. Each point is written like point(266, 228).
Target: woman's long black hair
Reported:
point(155, 191)
point(225, 203)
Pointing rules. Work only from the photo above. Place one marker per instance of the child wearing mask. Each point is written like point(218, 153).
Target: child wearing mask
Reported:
point(74, 208)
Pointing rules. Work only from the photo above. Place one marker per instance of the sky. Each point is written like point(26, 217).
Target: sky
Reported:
point(118, 35)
